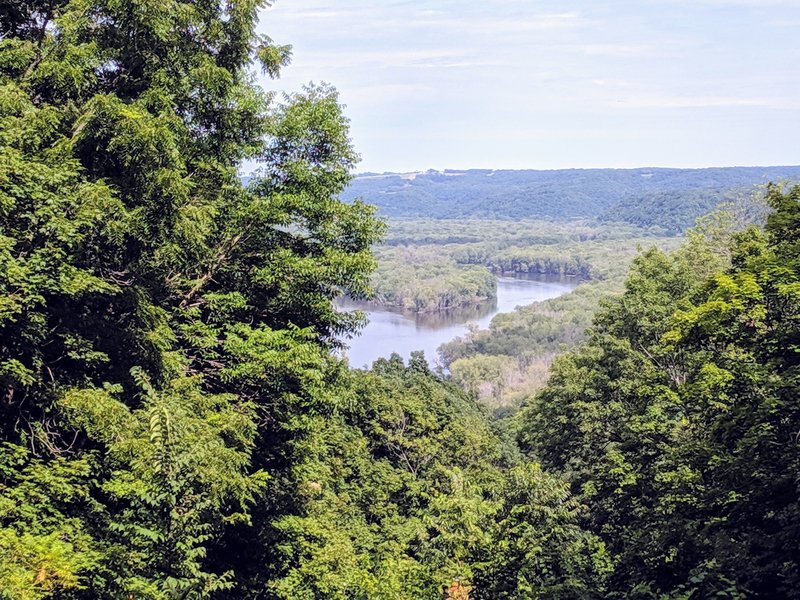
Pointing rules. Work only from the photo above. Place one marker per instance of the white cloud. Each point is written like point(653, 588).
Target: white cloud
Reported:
point(384, 93)
point(432, 58)
point(617, 49)
point(631, 69)
point(722, 3)
point(490, 26)
point(678, 101)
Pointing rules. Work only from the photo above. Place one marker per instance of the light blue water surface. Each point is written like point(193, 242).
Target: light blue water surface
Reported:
point(391, 330)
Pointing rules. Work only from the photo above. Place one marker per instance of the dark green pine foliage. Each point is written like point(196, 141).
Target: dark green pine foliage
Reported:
point(677, 422)
point(153, 312)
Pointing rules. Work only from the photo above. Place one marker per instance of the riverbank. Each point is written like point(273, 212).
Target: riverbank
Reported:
point(395, 330)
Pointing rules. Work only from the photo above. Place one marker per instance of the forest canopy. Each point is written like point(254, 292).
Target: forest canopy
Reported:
point(667, 199)
point(176, 422)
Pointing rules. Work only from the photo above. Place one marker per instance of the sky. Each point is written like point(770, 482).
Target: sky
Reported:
point(526, 84)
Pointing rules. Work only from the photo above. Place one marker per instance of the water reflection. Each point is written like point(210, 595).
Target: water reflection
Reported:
point(437, 319)
point(395, 330)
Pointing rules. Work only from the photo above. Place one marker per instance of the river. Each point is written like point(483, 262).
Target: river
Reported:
point(396, 330)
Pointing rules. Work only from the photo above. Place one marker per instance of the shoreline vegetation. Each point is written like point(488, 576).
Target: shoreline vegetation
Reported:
point(444, 306)
point(418, 285)
point(510, 360)
point(429, 265)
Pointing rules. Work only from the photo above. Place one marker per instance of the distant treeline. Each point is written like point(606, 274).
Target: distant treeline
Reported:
point(518, 260)
point(419, 281)
point(421, 268)
point(668, 199)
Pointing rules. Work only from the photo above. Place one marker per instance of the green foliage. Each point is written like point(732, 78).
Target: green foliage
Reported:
point(174, 420)
point(671, 211)
point(426, 265)
point(524, 343)
point(399, 493)
point(175, 423)
point(152, 309)
point(674, 423)
point(471, 373)
point(44, 543)
point(510, 360)
point(422, 283)
point(177, 475)
point(362, 521)
point(539, 550)
point(669, 200)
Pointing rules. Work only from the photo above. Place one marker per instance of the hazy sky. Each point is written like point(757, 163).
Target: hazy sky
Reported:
point(546, 84)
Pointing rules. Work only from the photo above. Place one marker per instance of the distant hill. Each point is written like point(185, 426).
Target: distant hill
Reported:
point(669, 198)
point(671, 211)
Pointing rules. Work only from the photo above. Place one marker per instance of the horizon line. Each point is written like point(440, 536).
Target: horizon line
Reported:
point(639, 168)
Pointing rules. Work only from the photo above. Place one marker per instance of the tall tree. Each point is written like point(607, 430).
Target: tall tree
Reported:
point(677, 422)
point(153, 310)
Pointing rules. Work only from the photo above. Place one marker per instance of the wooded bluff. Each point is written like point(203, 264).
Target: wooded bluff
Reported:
point(667, 200)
